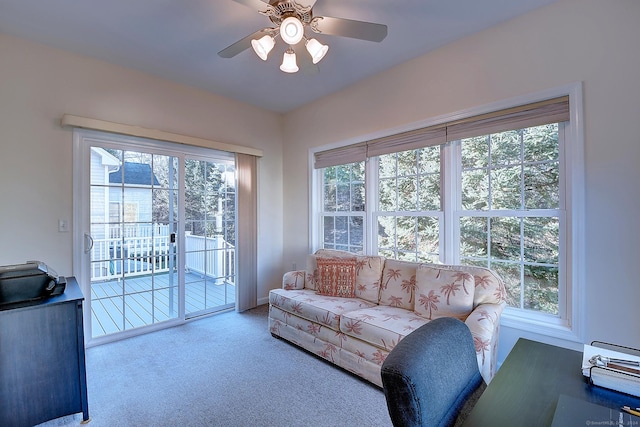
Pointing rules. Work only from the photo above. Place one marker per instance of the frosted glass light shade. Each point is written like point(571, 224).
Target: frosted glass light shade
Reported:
point(289, 62)
point(291, 30)
point(263, 46)
point(317, 50)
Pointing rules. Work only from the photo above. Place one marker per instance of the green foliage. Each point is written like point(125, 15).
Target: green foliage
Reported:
point(344, 188)
point(343, 193)
point(210, 199)
point(409, 182)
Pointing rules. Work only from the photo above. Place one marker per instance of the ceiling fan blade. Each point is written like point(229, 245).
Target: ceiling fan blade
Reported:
point(242, 44)
point(349, 28)
point(258, 5)
point(306, 3)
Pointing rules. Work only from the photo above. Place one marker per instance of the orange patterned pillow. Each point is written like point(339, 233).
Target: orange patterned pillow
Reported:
point(337, 277)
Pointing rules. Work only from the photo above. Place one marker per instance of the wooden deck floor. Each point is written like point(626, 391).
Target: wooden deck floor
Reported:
point(145, 300)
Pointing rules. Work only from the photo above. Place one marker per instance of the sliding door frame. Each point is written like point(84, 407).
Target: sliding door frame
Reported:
point(83, 140)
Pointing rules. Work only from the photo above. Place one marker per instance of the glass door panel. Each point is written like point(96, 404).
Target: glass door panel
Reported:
point(133, 200)
point(209, 236)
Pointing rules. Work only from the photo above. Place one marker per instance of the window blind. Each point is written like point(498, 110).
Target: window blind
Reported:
point(536, 114)
point(340, 156)
point(411, 140)
point(540, 113)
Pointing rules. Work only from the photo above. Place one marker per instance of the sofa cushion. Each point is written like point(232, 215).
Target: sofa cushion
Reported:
point(337, 277)
point(489, 288)
point(381, 326)
point(313, 274)
point(368, 272)
point(398, 284)
point(306, 303)
point(443, 292)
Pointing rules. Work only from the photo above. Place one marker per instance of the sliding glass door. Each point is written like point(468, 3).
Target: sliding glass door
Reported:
point(160, 245)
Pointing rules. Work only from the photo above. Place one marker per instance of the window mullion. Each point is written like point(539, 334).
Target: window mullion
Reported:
point(371, 179)
point(522, 208)
point(451, 185)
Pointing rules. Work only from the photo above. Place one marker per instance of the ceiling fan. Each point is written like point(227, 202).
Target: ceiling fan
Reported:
point(290, 19)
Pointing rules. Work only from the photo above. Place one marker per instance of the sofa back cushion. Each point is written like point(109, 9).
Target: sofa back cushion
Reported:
point(489, 287)
point(368, 272)
point(397, 288)
point(368, 275)
point(392, 282)
point(443, 292)
point(336, 277)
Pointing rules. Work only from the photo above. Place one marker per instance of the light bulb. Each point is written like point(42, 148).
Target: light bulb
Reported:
point(289, 62)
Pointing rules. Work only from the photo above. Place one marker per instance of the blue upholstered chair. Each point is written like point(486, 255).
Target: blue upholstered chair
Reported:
point(431, 378)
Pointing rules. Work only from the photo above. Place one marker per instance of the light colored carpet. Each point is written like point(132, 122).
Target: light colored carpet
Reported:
point(223, 370)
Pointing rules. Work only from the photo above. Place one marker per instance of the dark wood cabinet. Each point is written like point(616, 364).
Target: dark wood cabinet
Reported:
point(42, 360)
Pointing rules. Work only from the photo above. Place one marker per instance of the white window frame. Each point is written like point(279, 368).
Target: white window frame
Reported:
point(372, 188)
point(348, 214)
point(569, 326)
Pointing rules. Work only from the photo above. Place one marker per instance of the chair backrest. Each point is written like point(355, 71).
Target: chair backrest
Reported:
point(430, 374)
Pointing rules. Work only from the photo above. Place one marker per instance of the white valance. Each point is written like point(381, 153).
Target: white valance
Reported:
point(122, 129)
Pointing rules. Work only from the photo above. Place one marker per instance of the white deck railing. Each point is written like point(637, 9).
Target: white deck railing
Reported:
point(118, 231)
point(151, 253)
point(210, 256)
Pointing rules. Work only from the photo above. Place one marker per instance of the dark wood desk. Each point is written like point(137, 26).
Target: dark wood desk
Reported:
point(42, 360)
point(526, 388)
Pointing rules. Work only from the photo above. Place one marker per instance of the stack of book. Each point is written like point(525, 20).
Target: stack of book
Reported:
point(612, 366)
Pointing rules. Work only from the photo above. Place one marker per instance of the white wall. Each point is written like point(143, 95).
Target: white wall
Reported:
point(592, 41)
point(39, 84)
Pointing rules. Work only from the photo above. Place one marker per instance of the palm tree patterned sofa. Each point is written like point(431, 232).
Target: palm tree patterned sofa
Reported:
point(352, 309)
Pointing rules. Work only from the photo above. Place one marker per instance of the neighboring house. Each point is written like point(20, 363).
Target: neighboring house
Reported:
point(102, 164)
point(120, 194)
point(132, 200)
point(121, 213)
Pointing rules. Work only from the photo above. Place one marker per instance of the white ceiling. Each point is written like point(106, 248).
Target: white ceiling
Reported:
point(179, 39)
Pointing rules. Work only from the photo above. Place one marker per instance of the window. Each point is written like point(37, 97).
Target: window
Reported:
point(494, 190)
point(509, 213)
point(343, 207)
point(408, 212)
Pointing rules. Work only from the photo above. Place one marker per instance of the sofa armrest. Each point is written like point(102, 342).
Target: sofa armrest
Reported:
point(294, 280)
point(484, 323)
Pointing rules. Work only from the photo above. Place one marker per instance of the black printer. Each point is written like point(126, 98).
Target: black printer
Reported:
point(30, 281)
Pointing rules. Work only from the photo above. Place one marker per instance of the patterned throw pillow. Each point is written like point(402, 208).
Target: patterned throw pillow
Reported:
point(337, 277)
point(442, 292)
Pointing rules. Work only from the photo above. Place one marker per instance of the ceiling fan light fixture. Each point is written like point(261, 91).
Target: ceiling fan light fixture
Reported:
point(291, 30)
point(288, 20)
point(289, 62)
point(316, 49)
point(263, 46)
